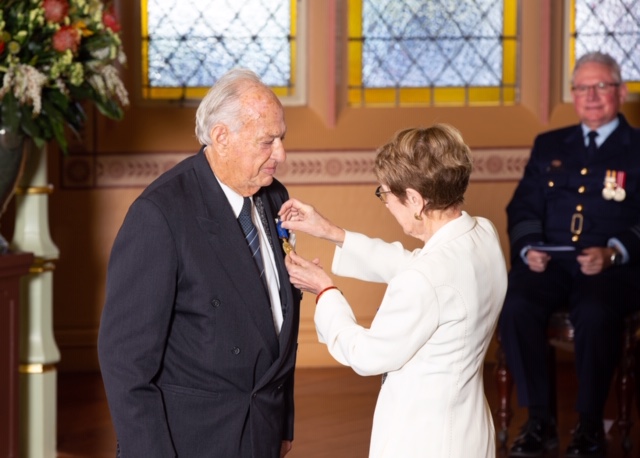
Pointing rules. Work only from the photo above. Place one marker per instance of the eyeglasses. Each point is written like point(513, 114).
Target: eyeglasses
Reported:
point(380, 194)
point(601, 88)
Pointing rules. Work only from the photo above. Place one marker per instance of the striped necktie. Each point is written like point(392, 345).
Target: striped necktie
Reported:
point(252, 237)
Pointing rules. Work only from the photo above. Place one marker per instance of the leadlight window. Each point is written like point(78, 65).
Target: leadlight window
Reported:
point(611, 26)
point(188, 44)
point(433, 53)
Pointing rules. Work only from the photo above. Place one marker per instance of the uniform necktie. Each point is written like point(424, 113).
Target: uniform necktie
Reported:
point(252, 237)
point(592, 147)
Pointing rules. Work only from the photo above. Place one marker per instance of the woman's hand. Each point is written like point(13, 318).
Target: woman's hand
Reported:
point(298, 216)
point(306, 275)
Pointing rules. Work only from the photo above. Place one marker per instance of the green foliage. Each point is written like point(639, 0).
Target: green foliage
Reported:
point(56, 55)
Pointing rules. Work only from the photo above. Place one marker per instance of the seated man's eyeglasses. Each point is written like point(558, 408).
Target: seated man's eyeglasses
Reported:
point(380, 194)
point(601, 88)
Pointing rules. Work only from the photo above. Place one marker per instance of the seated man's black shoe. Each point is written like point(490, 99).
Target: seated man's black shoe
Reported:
point(535, 439)
point(591, 443)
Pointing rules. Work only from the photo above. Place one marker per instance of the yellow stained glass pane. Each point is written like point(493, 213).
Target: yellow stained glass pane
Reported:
point(380, 96)
point(450, 96)
point(634, 87)
point(355, 97)
point(484, 94)
point(355, 43)
point(415, 96)
point(509, 95)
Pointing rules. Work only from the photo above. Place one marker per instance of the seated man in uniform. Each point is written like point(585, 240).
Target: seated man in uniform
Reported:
point(580, 191)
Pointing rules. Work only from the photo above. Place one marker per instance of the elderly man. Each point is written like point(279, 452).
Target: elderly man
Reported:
point(580, 193)
point(199, 331)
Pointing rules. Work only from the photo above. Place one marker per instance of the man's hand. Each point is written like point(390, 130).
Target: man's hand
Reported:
point(538, 260)
point(285, 448)
point(594, 260)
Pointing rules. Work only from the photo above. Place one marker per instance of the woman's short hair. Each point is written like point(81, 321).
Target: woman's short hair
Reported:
point(222, 104)
point(434, 161)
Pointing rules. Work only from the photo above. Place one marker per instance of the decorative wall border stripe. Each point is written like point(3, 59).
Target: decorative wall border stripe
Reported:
point(301, 167)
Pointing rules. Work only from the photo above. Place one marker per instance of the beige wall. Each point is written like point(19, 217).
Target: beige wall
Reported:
point(85, 219)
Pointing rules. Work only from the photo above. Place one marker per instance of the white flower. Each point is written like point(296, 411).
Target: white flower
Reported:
point(26, 82)
point(106, 82)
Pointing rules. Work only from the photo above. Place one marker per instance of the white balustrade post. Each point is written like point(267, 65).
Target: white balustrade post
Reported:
point(38, 350)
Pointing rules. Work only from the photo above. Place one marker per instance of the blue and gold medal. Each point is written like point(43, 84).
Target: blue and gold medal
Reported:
point(283, 235)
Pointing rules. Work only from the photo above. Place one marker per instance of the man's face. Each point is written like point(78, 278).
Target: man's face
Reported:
point(253, 152)
point(596, 107)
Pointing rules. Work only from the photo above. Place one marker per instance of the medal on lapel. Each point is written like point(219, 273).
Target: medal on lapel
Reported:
point(614, 183)
point(283, 235)
point(620, 193)
point(609, 185)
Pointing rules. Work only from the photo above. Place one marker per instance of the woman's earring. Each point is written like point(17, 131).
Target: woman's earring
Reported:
point(418, 216)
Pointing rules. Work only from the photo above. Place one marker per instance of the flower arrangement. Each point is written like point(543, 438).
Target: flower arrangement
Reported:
point(54, 55)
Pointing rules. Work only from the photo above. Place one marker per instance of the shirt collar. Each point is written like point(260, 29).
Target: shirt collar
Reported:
point(603, 131)
point(235, 200)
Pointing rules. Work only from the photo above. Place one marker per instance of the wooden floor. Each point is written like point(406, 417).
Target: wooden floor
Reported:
point(334, 409)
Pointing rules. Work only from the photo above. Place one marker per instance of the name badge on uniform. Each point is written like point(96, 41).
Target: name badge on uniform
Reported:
point(614, 183)
point(283, 235)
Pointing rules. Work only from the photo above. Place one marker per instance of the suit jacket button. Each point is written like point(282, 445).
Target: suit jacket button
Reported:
point(235, 350)
point(215, 303)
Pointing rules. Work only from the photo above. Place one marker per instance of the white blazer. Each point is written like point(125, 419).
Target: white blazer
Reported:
point(430, 335)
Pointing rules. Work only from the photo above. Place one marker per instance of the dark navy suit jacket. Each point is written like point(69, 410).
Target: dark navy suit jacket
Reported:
point(190, 359)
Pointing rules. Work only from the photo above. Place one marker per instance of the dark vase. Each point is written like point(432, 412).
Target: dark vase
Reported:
point(12, 159)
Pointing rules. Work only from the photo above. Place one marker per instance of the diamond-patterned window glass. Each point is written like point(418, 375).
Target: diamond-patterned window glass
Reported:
point(611, 26)
point(188, 44)
point(432, 52)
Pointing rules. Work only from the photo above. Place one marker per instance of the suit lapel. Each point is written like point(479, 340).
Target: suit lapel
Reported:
point(227, 241)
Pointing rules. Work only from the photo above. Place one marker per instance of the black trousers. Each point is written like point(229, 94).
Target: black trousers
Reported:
point(597, 306)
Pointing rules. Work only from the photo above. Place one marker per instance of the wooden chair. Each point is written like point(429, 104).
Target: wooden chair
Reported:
point(560, 334)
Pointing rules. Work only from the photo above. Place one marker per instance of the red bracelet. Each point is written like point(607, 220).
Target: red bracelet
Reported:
point(324, 291)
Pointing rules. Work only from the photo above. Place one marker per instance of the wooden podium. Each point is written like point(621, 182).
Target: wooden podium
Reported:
point(12, 267)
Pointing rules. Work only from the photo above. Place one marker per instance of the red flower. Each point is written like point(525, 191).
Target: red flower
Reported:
point(109, 19)
point(55, 10)
point(67, 37)
point(1, 47)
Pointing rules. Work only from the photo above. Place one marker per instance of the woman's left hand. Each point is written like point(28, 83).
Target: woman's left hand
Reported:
point(306, 275)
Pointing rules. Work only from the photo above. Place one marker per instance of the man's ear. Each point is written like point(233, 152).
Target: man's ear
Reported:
point(220, 137)
point(622, 92)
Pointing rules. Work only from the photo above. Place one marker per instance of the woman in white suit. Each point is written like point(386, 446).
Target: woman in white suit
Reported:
point(432, 330)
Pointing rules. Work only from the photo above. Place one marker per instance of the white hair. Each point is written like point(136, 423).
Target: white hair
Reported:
point(599, 58)
point(222, 103)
